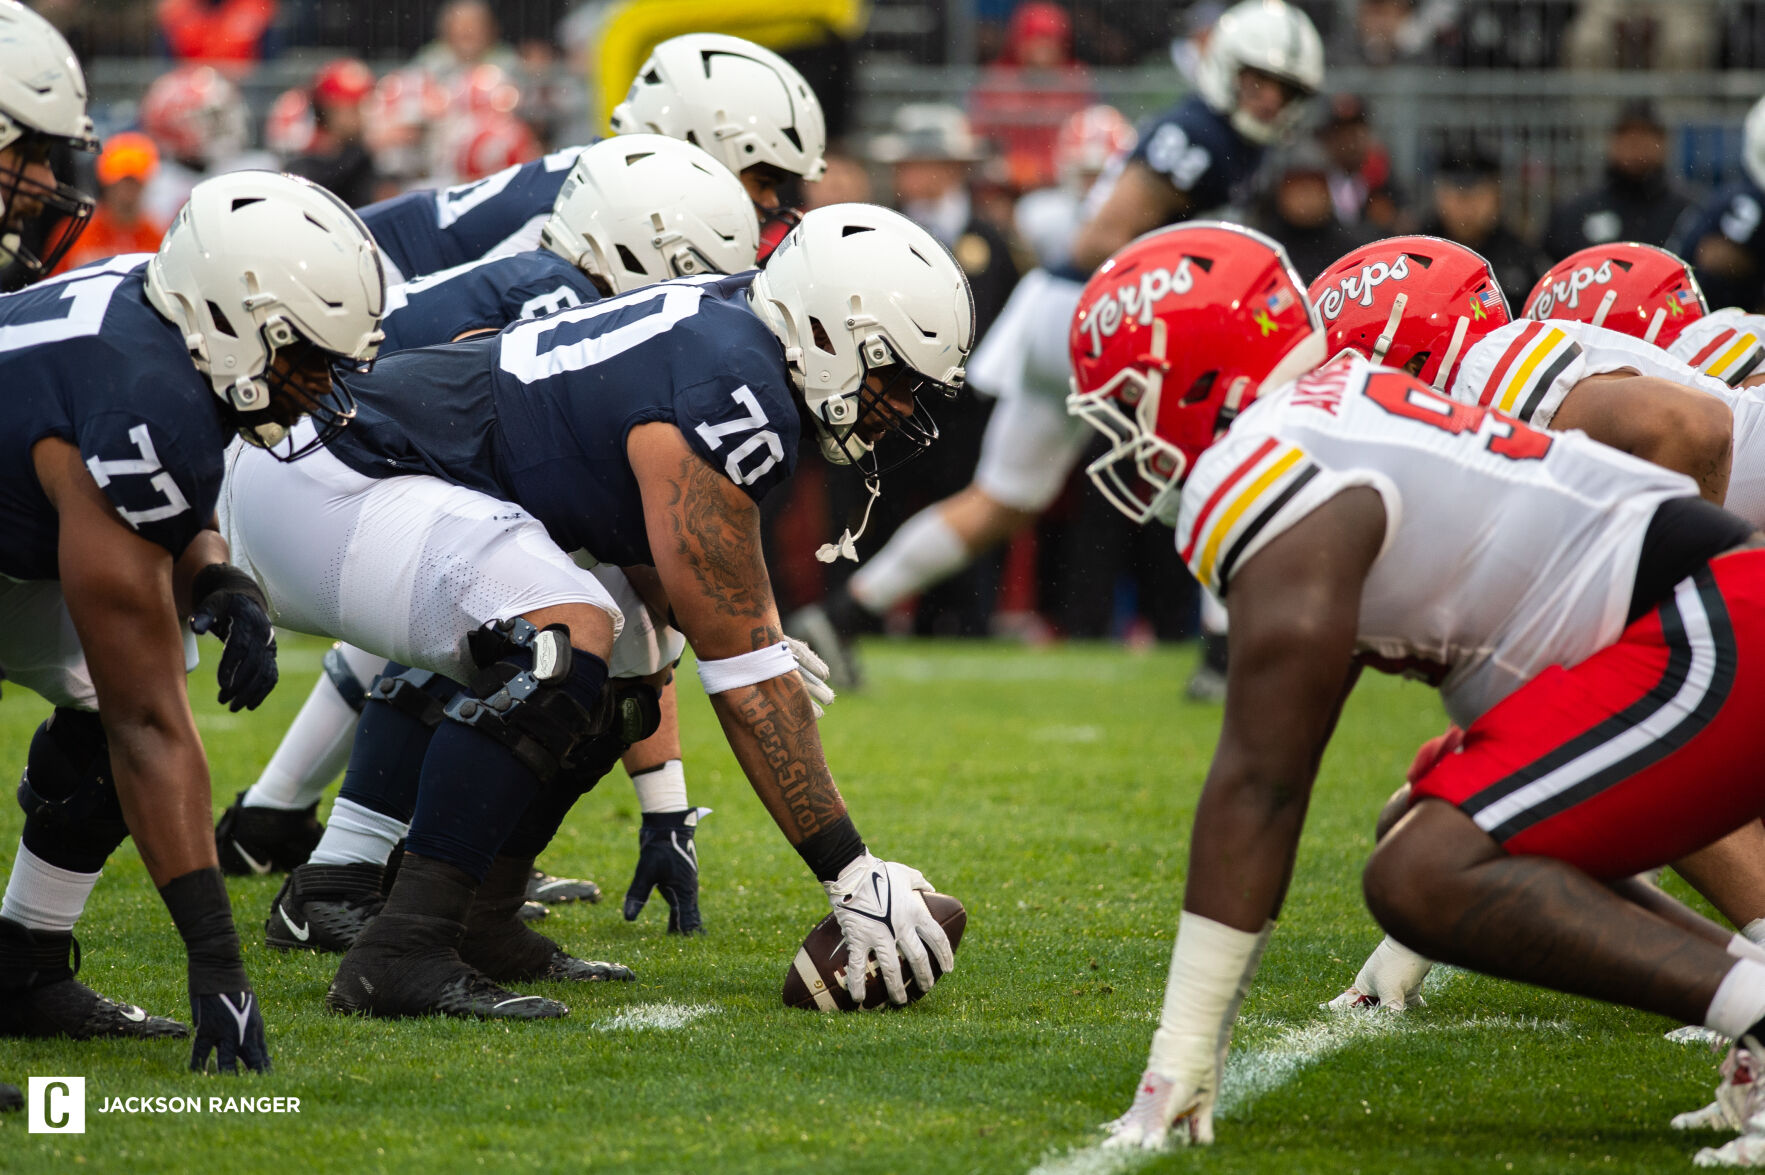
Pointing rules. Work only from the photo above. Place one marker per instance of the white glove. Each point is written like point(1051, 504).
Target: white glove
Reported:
point(813, 671)
point(878, 907)
point(1391, 978)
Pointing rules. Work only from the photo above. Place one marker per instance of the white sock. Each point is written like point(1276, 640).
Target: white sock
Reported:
point(662, 789)
point(1755, 931)
point(1742, 947)
point(316, 748)
point(924, 551)
point(1740, 999)
point(1213, 615)
point(355, 835)
point(42, 896)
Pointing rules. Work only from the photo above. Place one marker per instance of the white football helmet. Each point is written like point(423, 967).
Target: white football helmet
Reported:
point(638, 209)
point(1271, 37)
point(742, 103)
point(258, 261)
point(1753, 144)
point(855, 288)
point(42, 103)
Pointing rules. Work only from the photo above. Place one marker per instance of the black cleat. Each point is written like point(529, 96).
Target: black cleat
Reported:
point(406, 965)
point(543, 887)
point(39, 996)
point(11, 1098)
point(501, 946)
point(256, 841)
point(324, 907)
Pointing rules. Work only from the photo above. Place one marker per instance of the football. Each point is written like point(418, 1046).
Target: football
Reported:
point(817, 978)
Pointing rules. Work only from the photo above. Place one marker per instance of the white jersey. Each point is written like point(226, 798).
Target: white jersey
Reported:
point(1727, 344)
point(1527, 368)
point(1506, 550)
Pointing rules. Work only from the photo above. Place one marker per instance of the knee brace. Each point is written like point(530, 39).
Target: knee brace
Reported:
point(417, 692)
point(529, 697)
point(349, 687)
point(73, 818)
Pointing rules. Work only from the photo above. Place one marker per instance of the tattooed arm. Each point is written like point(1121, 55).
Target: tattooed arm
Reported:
point(705, 535)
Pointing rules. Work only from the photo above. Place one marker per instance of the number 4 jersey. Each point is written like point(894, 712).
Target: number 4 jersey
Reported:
point(1507, 550)
point(85, 357)
point(539, 413)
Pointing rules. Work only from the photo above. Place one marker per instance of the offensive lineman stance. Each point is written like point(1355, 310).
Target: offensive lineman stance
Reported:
point(1632, 620)
point(751, 111)
point(641, 430)
point(114, 463)
point(601, 239)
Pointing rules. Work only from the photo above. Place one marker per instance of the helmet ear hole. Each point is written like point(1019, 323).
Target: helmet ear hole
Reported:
point(819, 334)
point(629, 260)
point(1417, 361)
point(220, 321)
point(1201, 388)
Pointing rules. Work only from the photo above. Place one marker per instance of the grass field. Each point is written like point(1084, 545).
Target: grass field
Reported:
point(1052, 791)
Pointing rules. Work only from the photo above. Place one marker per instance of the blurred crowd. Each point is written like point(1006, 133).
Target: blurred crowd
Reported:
point(1002, 180)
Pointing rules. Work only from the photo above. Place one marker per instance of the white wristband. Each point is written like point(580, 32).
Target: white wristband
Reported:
point(1210, 974)
point(747, 668)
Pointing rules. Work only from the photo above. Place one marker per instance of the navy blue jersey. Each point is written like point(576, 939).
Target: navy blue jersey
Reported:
point(538, 414)
point(85, 357)
point(490, 293)
point(1195, 148)
point(438, 228)
point(1736, 211)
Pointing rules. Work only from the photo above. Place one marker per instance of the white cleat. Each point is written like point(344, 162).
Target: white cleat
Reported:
point(1748, 1150)
point(1740, 1100)
point(1149, 1124)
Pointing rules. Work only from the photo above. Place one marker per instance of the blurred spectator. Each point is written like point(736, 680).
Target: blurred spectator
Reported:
point(930, 152)
point(337, 157)
point(290, 126)
point(1392, 32)
point(1297, 210)
point(1089, 142)
point(1642, 34)
point(845, 182)
point(404, 124)
point(1467, 209)
point(1022, 99)
point(466, 35)
point(1638, 200)
point(1361, 187)
point(197, 119)
point(485, 132)
point(217, 31)
point(118, 224)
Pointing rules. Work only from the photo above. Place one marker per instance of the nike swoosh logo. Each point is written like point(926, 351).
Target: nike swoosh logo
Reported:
point(300, 932)
point(135, 1014)
point(256, 866)
point(517, 1000)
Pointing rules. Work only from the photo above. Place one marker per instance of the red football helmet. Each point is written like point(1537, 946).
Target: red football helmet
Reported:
point(289, 128)
point(1637, 289)
point(1212, 313)
point(487, 143)
point(1410, 302)
point(1088, 140)
point(195, 115)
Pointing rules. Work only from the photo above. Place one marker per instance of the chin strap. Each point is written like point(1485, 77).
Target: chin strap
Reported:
point(847, 547)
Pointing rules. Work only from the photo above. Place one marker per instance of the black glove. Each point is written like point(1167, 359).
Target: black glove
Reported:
point(668, 862)
point(231, 1026)
point(230, 605)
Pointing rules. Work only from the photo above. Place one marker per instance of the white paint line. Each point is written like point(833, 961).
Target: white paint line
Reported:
point(662, 1017)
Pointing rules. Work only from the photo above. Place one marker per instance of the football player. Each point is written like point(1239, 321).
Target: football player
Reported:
point(601, 239)
point(42, 111)
point(1594, 324)
point(1723, 237)
point(1592, 623)
point(127, 379)
point(748, 108)
point(1263, 60)
point(745, 105)
point(461, 573)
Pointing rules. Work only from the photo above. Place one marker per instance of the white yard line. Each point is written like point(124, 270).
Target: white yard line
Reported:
point(662, 1017)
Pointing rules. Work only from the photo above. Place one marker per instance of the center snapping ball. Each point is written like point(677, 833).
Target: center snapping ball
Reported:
point(817, 978)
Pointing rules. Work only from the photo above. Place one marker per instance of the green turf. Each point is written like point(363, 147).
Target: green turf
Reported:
point(1052, 791)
